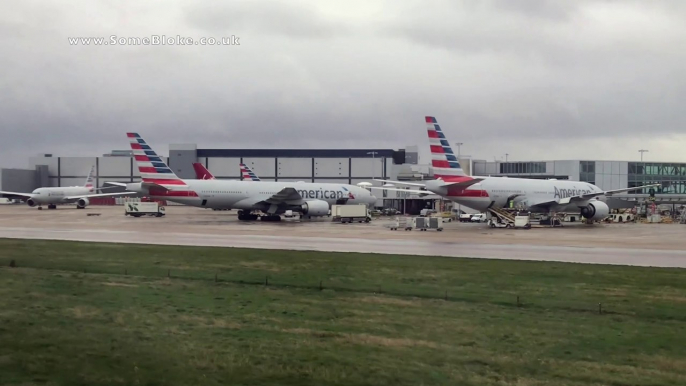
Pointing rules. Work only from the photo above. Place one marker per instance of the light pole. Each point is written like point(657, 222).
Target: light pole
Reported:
point(506, 154)
point(458, 144)
point(642, 151)
point(373, 153)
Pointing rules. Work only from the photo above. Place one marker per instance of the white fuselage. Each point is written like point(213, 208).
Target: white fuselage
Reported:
point(57, 195)
point(247, 195)
point(495, 192)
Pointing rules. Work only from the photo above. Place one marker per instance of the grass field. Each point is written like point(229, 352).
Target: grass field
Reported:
point(106, 314)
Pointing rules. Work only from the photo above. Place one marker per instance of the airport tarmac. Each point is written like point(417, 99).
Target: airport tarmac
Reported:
point(661, 245)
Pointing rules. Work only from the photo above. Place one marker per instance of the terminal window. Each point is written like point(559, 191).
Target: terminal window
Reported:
point(522, 167)
point(670, 176)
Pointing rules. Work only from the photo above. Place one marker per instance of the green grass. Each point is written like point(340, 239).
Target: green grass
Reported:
point(70, 315)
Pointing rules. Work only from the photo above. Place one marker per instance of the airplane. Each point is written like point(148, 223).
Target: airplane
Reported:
point(483, 193)
point(271, 198)
point(202, 173)
point(62, 195)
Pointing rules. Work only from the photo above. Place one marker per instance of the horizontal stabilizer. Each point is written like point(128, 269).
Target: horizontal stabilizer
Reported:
point(463, 184)
point(400, 182)
point(411, 191)
point(152, 185)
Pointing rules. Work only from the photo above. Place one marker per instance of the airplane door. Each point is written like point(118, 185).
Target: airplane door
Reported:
point(205, 197)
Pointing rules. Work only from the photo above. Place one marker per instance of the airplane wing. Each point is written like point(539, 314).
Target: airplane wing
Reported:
point(15, 195)
point(283, 196)
point(613, 192)
point(584, 197)
point(116, 183)
point(69, 198)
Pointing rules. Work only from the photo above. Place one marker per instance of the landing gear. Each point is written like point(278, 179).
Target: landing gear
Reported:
point(52, 206)
point(274, 218)
point(246, 216)
point(40, 208)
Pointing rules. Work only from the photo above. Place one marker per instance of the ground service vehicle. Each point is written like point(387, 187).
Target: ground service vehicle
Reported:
point(423, 223)
point(479, 217)
point(138, 209)
point(350, 213)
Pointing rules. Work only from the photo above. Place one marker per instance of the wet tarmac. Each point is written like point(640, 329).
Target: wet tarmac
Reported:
point(659, 245)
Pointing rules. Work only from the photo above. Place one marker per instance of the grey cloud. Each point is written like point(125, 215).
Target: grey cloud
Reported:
point(250, 18)
point(498, 75)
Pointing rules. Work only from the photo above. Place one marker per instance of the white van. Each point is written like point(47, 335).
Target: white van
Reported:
point(479, 217)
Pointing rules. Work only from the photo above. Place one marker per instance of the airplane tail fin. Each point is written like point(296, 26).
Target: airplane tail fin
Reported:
point(151, 166)
point(89, 179)
point(248, 174)
point(443, 159)
point(201, 172)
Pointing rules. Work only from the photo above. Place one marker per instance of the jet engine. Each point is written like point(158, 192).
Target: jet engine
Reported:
point(30, 202)
point(82, 203)
point(315, 208)
point(596, 210)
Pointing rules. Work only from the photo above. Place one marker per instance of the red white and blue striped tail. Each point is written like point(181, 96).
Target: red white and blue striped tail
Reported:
point(151, 166)
point(443, 159)
point(248, 174)
point(89, 179)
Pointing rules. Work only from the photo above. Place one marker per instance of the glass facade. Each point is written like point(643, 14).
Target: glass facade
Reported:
point(587, 171)
point(522, 167)
point(671, 177)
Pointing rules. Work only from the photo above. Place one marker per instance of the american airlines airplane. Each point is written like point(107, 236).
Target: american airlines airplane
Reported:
point(482, 193)
point(62, 195)
point(271, 198)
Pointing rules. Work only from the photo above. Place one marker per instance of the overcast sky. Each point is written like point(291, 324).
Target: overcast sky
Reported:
point(535, 79)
